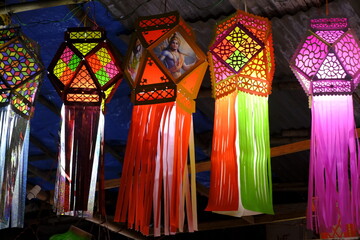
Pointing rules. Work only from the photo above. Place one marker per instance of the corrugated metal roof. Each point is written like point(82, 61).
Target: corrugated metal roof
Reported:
point(290, 22)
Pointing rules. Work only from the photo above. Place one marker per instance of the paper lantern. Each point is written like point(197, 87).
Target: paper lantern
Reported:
point(20, 77)
point(73, 233)
point(242, 67)
point(85, 73)
point(165, 69)
point(327, 65)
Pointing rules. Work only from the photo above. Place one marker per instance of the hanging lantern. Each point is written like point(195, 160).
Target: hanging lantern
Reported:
point(20, 77)
point(327, 66)
point(242, 67)
point(165, 69)
point(73, 233)
point(86, 74)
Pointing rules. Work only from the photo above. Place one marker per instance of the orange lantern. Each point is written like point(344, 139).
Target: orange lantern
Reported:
point(165, 68)
point(242, 67)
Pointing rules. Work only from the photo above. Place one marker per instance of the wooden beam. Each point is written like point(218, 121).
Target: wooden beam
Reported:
point(49, 104)
point(120, 228)
point(290, 148)
point(28, 6)
point(283, 213)
point(42, 147)
point(39, 173)
point(202, 190)
point(275, 152)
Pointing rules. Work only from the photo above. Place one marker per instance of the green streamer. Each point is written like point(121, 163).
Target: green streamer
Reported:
point(254, 153)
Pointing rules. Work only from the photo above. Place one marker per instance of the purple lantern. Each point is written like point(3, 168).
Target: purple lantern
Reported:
point(327, 65)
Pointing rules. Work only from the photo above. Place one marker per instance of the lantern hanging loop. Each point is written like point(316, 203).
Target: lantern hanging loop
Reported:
point(86, 17)
point(327, 7)
point(165, 6)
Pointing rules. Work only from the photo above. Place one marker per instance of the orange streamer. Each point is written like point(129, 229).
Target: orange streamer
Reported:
point(147, 188)
point(224, 191)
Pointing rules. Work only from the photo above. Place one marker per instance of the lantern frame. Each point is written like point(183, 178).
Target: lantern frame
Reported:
point(236, 80)
point(65, 89)
point(8, 92)
point(312, 84)
point(167, 25)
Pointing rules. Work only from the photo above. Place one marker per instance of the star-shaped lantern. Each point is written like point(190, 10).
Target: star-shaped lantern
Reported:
point(85, 73)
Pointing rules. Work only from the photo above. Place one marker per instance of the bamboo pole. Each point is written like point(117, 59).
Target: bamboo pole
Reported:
point(28, 6)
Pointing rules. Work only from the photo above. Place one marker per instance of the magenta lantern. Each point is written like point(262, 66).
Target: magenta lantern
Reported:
point(327, 65)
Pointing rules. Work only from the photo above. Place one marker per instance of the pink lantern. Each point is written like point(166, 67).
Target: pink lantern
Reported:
point(327, 64)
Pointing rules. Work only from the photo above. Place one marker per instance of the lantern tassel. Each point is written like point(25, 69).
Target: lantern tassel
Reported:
point(14, 143)
point(224, 190)
point(155, 173)
point(81, 137)
point(334, 159)
point(240, 165)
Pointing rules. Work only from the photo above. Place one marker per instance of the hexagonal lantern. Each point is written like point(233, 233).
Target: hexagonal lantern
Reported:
point(20, 71)
point(86, 74)
point(165, 68)
point(241, 56)
point(327, 64)
point(241, 61)
point(327, 60)
point(20, 77)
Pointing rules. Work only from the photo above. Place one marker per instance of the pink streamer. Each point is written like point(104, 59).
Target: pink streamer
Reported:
point(334, 159)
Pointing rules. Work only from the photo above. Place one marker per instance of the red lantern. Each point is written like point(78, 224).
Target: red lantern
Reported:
point(165, 69)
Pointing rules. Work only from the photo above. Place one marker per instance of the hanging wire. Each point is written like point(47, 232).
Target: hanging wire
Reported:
point(89, 18)
point(245, 6)
point(94, 13)
point(70, 15)
point(134, 10)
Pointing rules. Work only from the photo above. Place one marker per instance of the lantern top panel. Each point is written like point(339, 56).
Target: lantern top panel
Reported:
point(329, 23)
point(160, 21)
point(85, 69)
point(164, 60)
point(327, 60)
point(83, 34)
point(241, 55)
point(259, 26)
point(152, 28)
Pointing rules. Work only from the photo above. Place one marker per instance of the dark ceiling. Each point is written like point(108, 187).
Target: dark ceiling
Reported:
point(288, 106)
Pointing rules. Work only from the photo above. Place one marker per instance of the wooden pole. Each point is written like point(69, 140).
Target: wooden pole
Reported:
point(28, 6)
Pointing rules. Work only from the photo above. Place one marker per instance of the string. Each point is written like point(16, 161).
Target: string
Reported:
point(327, 7)
point(134, 10)
point(245, 6)
point(66, 18)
